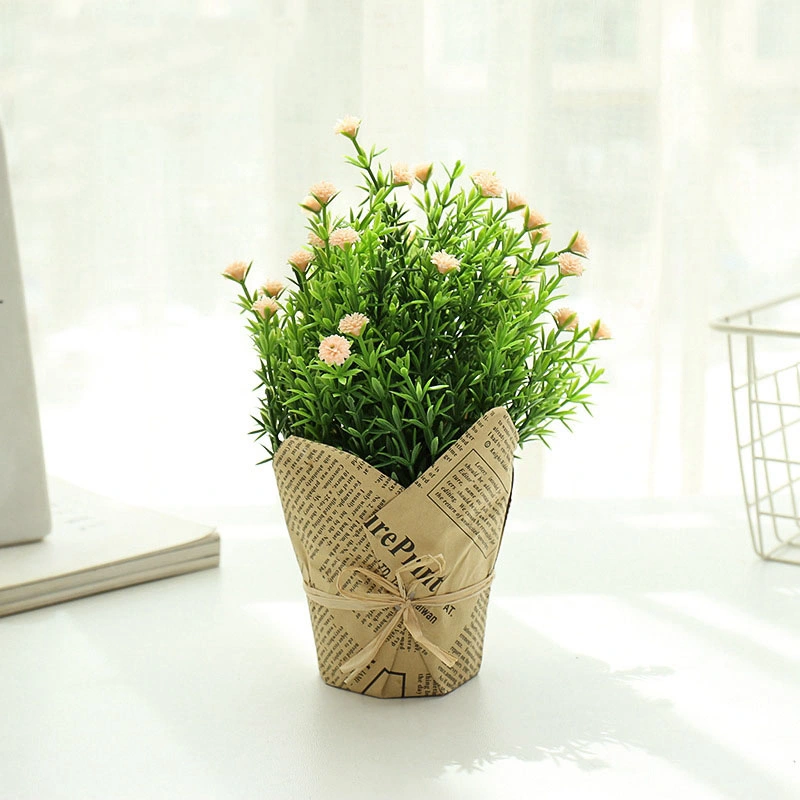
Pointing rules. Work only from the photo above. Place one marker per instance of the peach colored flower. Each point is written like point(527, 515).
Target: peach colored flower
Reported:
point(533, 219)
point(515, 201)
point(401, 174)
point(444, 262)
point(599, 330)
point(300, 259)
point(311, 203)
point(272, 287)
point(569, 264)
point(566, 319)
point(334, 349)
point(580, 246)
point(342, 237)
point(422, 172)
point(237, 271)
point(347, 127)
point(265, 306)
point(488, 183)
point(315, 241)
point(353, 323)
point(324, 192)
point(539, 235)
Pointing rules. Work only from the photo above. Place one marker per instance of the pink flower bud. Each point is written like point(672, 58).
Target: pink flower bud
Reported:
point(353, 324)
point(599, 330)
point(348, 127)
point(311, 203)
point(533, 219)
point(342, 237)
point(334, 350)
point(272, 287)
point(315, 241)
point(488, 183)
point(580, 245)
point(265, 306)
point(569, 264)
point(515, 201)
point(401, 174)
point(539, 235)
point(422, 172)
point(324, 192)
point(300, 260)
point(444, 262)
point(237, 271)
point(566, 319)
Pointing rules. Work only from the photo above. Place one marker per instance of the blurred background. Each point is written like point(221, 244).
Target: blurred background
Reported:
point(150, 144)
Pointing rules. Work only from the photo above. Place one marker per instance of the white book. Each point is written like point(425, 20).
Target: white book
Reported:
point(96, 545)
point(24, 510)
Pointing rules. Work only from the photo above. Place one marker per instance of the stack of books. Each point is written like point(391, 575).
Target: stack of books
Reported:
point(96, 545)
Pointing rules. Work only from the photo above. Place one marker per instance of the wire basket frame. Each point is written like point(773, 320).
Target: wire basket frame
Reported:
point(765, 386)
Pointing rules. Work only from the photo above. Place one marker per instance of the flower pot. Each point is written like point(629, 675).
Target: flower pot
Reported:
point(398, 579)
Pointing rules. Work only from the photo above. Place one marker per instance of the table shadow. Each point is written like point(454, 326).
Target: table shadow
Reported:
point(532, 702)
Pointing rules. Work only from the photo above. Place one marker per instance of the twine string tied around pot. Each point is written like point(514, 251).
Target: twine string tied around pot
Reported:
point(401, 598)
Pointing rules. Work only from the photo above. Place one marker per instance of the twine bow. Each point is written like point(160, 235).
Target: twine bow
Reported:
point(399, 597)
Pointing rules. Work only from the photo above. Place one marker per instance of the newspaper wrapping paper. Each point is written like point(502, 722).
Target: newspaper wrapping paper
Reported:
point(343, 514)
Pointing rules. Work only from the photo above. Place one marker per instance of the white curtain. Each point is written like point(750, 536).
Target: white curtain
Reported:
point(153, 143)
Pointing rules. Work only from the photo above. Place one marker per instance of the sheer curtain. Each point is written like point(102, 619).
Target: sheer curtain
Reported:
point(151, 144)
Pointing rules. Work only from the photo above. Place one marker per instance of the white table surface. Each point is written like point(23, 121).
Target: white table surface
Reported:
point(633, 650)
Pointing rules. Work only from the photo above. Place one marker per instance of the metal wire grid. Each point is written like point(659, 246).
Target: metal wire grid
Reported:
point(765, 385)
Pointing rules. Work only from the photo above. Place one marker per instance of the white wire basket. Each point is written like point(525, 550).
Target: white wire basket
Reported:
point(764, 353)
